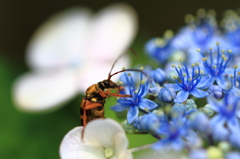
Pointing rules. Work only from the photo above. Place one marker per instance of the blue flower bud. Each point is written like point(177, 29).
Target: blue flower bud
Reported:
point(200, 122)
point(215, 91)
point(147, 123)
point(167, 95)
point(158, 76)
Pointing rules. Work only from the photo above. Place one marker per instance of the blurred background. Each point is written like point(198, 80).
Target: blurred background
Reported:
point(38, 135)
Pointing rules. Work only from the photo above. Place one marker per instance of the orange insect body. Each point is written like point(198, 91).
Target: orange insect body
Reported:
point(93, 102)
point(92, 106)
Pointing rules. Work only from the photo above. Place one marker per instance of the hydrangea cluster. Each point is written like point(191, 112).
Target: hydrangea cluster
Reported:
point(190, 105)
point(197, 110)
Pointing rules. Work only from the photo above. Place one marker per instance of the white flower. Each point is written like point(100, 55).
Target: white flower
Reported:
point(71, 51)
point(103, 139)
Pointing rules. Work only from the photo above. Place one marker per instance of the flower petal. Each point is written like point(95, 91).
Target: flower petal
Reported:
point(132, 114)
point(59, 40)
point(112, 30)
point(118, 107)
point(174, 86)
point(198, 93)
point(146, 103)
point(101, 132)
point(181, 96)
point(121, 144)
point(205, 82)
point(43, 91)
point(72, 147)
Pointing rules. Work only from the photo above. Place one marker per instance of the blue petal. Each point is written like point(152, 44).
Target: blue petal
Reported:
point(205, 82)
point(118, 107)
point(198, 93)
point(181, 96)
point(146, 103)
point(174, 86)
point(132, 114)
point(233, 124)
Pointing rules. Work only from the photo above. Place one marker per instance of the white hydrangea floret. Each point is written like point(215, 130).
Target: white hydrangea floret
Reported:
point(102, 139)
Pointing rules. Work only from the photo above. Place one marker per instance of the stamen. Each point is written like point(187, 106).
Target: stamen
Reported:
point(223, 51)
point(217, 43)
point(129, 74)
point(201, 72)
point(193, 64)
point(198, 50)
point(120, 83)
point(229, 51)
point(173, 66)
point(123, 68)
point(175, 77)
point(184, 74)
point(142, 68)
point(235, 66)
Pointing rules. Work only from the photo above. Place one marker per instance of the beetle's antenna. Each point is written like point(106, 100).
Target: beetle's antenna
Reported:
point(109, 77)
point(130, 49)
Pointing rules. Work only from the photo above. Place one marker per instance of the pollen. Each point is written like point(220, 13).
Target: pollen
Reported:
point(201, 72)
point(175, 77)
point(198, 50)
point(197, 63)
point(217, 43)
point(120, 83)
point(215, 66)
point(235, 66)
point(210, 48)
point(123, 68)
point(181, 59)
point(108, 152)
point(142, 68)
point(223, 51)
point(179, 66)
point(193, 64)
point(173, 66)
point(229, 51)
point(129, 74)
point(184, 75)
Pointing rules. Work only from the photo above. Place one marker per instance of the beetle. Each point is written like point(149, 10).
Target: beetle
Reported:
point(92, 105)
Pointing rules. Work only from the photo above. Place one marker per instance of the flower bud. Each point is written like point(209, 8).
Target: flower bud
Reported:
point(158, 76)
point(129, 128)
point(207, 110)
point(147, 123)
point(178, 109)
point(215, 91)
point(190, 104)
point(167, 95)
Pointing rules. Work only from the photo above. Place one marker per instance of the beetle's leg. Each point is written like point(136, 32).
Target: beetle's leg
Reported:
point(117, 95)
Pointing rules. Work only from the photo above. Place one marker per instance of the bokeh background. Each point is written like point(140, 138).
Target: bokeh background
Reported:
point(37, 136)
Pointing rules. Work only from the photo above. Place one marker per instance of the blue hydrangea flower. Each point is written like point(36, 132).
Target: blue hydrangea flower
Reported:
point(160, 48)
point(189, 82)
point(175, 134)
point(137, 101)
point(215, 66)
point(226, 120)
point(199, 33)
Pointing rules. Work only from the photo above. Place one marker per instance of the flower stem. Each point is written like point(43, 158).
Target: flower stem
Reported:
point(135, 149)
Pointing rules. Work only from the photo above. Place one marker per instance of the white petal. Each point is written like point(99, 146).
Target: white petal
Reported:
point(60, 40)
point(72, 147)
point(112, 31)
point(101, 132)
point(40, 91)
point(121, 145)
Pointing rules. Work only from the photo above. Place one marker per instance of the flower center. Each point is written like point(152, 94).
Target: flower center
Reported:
point(216, 65)
point(188, 80)
point(108, 152)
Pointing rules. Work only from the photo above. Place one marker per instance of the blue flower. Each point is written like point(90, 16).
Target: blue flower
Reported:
point(158, 75)
point(160, 48)
point(189, 82)
point(215, 66)
point(175, 134)
point(226, 120)
point(199, 33)
point(137, 101)
point(215, 91)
